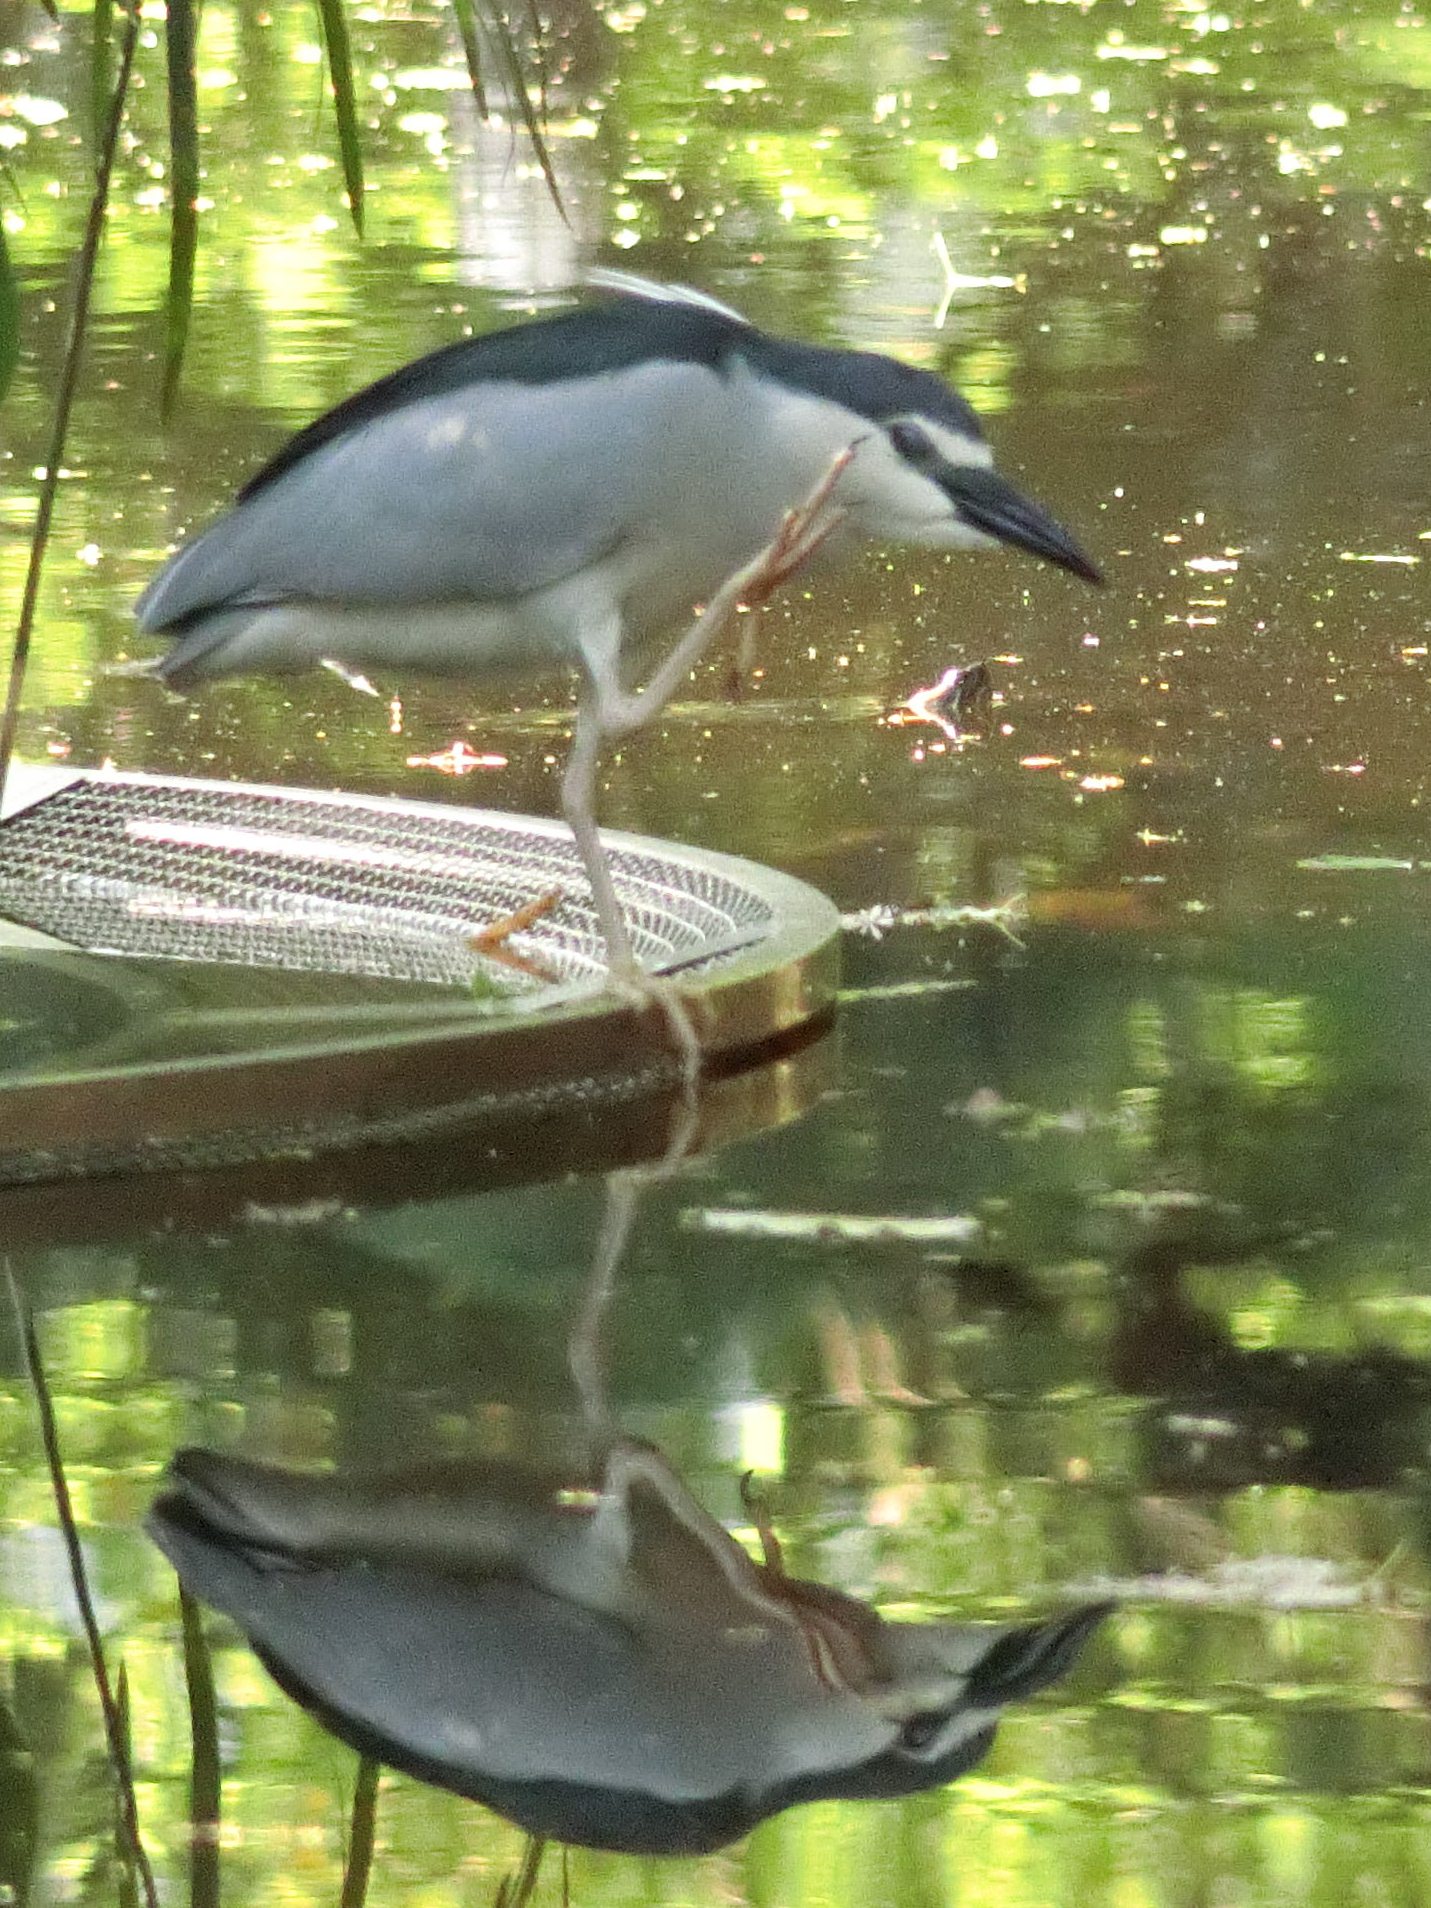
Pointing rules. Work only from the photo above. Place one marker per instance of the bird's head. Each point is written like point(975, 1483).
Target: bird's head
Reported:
point(924, 479)
point(922, 471)
point(947, 1683)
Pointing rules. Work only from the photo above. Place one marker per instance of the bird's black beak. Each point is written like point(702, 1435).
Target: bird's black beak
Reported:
point(990, 503)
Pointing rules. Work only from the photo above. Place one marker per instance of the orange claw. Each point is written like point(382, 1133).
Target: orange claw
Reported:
point(492, 941)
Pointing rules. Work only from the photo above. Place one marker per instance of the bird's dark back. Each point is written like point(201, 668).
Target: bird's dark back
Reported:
point(604, 338)
point(573, 344)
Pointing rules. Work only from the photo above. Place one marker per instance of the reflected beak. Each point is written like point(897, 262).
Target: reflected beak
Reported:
point(990, 503)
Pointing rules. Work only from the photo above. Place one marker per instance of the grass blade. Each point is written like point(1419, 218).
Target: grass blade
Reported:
point(19, 1812)
point(466, 16)
point(180, 43)
point(537, 27)
point(517, 79)
point(115, 1719)
point(9, 316)
point(126, 1887)
point(362, 1835)
point(100, 34)
point(206, 1781)
point(345, 102)
point(64, 399)
point(515, 1890)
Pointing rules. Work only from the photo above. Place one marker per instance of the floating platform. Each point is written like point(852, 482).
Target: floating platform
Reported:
point(207, 974)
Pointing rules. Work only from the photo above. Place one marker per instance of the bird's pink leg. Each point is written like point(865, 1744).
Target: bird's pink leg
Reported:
point(606, 714)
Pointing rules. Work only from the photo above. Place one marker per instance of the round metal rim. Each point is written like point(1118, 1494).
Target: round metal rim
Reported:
point(306, 1185)
point(472, 1066)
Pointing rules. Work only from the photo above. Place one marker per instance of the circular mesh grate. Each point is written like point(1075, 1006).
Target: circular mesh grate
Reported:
point(339, 885)
point(205, 974)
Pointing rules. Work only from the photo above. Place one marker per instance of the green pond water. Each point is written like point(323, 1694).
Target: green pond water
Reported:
point(1181, 261)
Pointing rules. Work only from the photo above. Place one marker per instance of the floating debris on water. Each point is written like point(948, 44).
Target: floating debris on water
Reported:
point(961, 703)
point(877, 921)
point(1273, 1582)
point(1357, 864)
point(906, 990)
point(354, 678)
point(834, 1228)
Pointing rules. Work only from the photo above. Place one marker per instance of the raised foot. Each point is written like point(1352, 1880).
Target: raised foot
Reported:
point(753, 1503)
point(799, 536)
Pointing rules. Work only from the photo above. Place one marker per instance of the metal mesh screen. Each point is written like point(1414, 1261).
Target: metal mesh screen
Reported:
point(268, 878)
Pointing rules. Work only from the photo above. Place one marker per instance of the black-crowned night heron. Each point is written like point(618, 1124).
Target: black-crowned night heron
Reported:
point(592, 1655)
point(556, 495)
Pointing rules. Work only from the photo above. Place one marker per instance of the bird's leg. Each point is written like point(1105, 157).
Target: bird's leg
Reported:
point(800, 535)
point(798, 539)
point(578, 803)
point(515, 1889)
point(578, 798)
point(607, 713)
point(585, 1349)
point(742, 663)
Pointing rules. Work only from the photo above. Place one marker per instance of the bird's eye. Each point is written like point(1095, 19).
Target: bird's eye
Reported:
point(917, 447)
point(918, 1732)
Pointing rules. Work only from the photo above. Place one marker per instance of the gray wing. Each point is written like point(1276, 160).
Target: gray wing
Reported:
point(488, 1681)
point(480, 494)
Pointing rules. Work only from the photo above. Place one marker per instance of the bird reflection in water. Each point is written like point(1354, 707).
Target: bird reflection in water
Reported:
point(593, 1657)
point(587, 1651)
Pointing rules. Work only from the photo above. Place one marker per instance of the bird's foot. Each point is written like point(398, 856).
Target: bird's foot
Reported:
point(632, 982)
point(629, 979)
point(799, 536)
